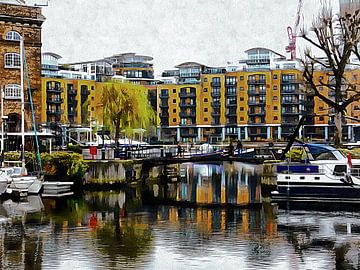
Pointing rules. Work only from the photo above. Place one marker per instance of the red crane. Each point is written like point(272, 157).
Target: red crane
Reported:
point(291, 48)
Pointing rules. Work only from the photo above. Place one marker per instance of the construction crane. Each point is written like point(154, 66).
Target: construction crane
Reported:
point(291, 48)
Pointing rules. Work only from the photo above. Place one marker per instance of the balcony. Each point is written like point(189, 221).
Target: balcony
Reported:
point(72, 102)
point(257, 113)
point(215, 84)
point(72, 92)
point(164, 95)
point(215, 114)
point(231, 83)
point(231, 94)
point(54, 112)
point(187, 95)
point(256, 123)
point(290, 102)
point(71, 113)
point(215, 104)
point(215, 94)
point(54, 100)
point(163, 114)
point(189, 123)
point(292, 112)
point(257, 92)
point(256, 103)
point(187, 114)
point(190, 75)
point(260, 81)
point(231, 113)
point(262, 61)
point(55, 90)
point(289, 91)
point(164, 105)
point(287, 81)
point(185, 104)
point(164, 123)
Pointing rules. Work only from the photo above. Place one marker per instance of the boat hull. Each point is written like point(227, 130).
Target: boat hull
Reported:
point(36, 186)
point(316, 187)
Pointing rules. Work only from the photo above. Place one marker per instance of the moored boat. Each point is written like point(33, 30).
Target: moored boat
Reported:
point(324, 175)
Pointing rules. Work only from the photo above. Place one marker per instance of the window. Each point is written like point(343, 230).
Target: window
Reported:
point(92, 87)
point(275, 87)
point(205, 119)
point(321, 108)
point(321, 118)
point(92, 109)
point(92, 98)
point(275, 77)
point(321, 88)
point(241, 109)
point(174, 110)
point(241, 118)
point(241, 78)
point(241, 88)
point(275, 98)
point(241, 99)
point(13, 35)
point(205, 90)
point(205, 100)
point(12, 60)
point(275, 108)
point(174, 100)
point(275, 118)
point(174, 91)
point(12, 91)
point(321, 78)
point(205, 79)
point(174, 120)
point(206, 109)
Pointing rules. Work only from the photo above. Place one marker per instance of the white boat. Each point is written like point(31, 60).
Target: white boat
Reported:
point(325, 175)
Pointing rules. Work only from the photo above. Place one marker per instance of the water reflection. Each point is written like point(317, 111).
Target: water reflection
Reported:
point(116, 230)
point(213, 184)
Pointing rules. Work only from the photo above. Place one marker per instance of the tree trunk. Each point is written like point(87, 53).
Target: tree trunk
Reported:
point(338, 129)
point(117, 133)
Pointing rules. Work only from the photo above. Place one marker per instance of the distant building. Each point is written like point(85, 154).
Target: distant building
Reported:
point(97, 70)
point(137, 69)
point(50, 65)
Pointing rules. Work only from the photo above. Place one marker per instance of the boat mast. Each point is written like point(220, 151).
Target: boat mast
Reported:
point(22, 104)
point(2, 127)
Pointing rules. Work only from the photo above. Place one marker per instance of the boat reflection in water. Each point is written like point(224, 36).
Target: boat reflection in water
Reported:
point(215, 184)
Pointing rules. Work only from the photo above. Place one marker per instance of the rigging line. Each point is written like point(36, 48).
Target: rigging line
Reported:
point(32, 112)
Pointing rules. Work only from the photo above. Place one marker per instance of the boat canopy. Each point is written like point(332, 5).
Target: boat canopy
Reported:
point(317, 149)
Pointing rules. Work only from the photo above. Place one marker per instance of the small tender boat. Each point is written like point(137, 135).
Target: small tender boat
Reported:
point(325, 175)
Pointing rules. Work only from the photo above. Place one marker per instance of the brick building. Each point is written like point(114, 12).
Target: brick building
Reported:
point(16, 20)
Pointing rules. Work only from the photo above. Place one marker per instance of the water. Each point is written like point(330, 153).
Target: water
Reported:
point(117, 230)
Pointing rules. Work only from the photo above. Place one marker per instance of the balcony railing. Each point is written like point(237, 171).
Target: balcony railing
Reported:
point(215, 84)
point(185, 104)
point(186, 95)
point(256, 113)
point(260, 81)
point(257, 92)
point(55, 100)
point(164, 104)
point(215, 104)
point(164, 95)
point(256, 102)
point(215, 94)
point(53, 111)
point(187, 114)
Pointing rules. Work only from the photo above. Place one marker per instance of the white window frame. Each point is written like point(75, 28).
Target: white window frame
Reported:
point(12, 91)
point(13, 35)
point(12, 60)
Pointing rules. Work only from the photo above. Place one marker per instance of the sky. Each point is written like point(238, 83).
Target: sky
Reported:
point(211, 32)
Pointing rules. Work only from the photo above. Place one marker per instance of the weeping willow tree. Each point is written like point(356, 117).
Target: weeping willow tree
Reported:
point(126, 107)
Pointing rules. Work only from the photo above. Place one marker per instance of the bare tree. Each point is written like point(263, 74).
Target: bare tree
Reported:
point(337, 38)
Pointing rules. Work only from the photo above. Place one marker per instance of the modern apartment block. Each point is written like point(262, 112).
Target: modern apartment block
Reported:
point(19, 20)
point(262, 99)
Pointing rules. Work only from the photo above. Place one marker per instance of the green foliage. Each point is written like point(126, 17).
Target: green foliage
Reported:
point(74, 148)
point(64, 163)
point(126, 107)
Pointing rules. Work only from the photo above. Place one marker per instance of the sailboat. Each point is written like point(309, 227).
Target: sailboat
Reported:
point(19, 179)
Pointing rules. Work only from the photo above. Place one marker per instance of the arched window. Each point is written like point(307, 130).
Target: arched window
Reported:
point(12, 60)
point(13, 35)
point(12, 91)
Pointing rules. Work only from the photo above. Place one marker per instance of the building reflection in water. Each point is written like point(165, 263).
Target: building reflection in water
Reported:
point(213, 184)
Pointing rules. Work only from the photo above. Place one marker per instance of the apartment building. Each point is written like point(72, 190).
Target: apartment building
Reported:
point(262, 99)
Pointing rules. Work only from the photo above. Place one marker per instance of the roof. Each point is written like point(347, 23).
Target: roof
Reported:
point(52, 54)
point(131, 54)
point(188, 64)
point(265, 49)
point(13, 2)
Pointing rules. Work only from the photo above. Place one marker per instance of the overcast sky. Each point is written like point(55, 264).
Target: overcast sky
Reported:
point(211, 32)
